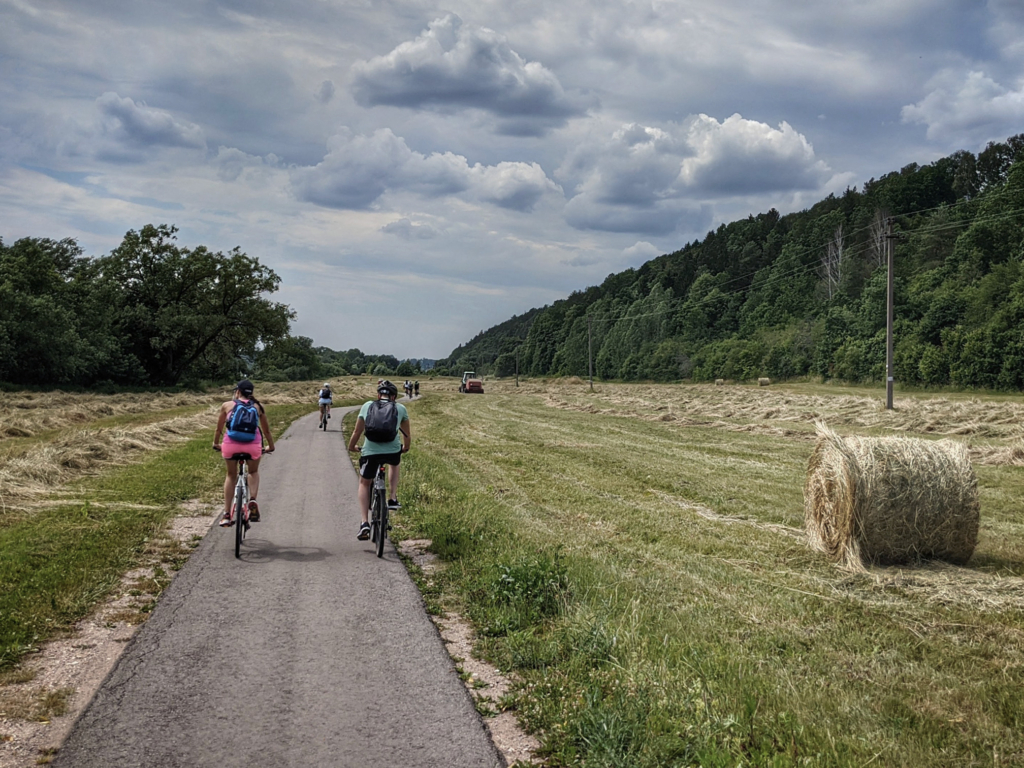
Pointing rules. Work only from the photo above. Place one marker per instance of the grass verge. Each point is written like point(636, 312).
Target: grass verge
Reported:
point(648, 583)
point(61, 560)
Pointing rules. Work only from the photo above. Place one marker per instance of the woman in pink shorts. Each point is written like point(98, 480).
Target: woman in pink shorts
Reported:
point(229, 447)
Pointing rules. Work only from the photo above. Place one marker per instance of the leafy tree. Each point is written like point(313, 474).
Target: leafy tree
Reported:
point(189, 313)
point(289, 358)
point(54, 322)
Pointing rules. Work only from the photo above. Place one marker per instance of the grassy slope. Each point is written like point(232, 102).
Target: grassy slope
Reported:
point(647, 634)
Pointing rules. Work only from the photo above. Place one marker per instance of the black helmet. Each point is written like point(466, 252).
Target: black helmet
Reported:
point(387, 388)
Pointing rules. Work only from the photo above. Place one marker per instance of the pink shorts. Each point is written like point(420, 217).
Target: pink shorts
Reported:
point(229, 447)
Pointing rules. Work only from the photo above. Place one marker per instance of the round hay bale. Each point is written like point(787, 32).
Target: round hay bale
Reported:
point(719, 382)
point(889, 500)
point(763, 382)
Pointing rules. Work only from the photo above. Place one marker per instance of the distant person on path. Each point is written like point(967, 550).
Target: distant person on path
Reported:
point(324, 399)
point(385, 423)
point(416, 388)
point(236, 442)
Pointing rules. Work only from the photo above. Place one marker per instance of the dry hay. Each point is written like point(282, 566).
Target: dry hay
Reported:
point(763, 382)
point(993, 428)
point(890, 500)
point(40, 470)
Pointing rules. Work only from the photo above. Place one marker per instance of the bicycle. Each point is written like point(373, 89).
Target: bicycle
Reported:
point(379, 524)
point(324, 416)
point(241, 506)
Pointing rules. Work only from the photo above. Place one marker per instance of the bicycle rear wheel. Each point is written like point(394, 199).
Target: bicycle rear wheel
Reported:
point(239, 520)
point(382, 533)
point(323, 421)
point(374, 517)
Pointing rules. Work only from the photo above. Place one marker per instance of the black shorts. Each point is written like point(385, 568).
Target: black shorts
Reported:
point(368, 464)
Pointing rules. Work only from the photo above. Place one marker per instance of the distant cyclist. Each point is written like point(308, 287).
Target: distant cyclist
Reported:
point(324, 399)
point(387, 422)
point(242, 398)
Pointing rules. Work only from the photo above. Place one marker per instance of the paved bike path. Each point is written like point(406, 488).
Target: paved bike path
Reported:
point(309, 651)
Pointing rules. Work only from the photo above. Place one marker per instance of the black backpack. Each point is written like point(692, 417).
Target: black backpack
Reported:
point(325, 394)
point(381, 421)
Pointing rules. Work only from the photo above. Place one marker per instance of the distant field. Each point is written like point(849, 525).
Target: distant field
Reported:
point(636, 556)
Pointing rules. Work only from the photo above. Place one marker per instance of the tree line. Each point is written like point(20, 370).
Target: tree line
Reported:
point(804, 294)
point(152, 314)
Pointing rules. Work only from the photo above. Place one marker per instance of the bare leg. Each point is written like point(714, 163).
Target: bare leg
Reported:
point(254, 477)
point(393, 473)
point(229, 486)
point(364, 498)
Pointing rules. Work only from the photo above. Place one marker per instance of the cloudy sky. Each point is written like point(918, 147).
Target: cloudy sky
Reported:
point(417, 172)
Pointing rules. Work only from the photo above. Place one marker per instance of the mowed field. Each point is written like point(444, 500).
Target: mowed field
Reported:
point(635, 555)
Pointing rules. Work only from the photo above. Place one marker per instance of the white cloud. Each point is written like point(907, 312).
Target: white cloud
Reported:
point(739, 156)
point(358, 170)
point(452, 67)
point(652, 180)
point(967, 106)
point(641, 251)
point(518, 186)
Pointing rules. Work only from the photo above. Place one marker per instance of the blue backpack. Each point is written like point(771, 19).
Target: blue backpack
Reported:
point(243, 421)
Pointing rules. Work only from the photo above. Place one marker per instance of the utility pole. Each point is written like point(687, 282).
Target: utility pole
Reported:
point(590, 353)
point(517, 366)
point(889, 238)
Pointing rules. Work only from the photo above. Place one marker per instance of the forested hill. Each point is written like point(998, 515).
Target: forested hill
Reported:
point(804, 294)
point(491, 350)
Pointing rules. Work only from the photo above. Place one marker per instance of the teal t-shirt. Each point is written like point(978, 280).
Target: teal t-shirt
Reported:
point(370, 448)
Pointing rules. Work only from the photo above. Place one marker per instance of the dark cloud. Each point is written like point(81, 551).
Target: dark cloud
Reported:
point(451, 67)
point(139, 126)
point(325, 92)
point(408, 230)
point(658, 219)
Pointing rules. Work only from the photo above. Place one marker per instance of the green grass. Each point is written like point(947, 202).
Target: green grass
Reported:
point(60, 561)
point(642, 581)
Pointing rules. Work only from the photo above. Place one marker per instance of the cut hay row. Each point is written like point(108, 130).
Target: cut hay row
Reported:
point(78, 450)
point(42, 470)
point(26, 414)
point(996, 429)
point(890, 500)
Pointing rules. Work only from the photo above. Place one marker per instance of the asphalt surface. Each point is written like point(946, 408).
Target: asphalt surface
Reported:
point(308, 651)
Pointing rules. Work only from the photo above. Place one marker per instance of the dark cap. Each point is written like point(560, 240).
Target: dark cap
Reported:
point(244, 387)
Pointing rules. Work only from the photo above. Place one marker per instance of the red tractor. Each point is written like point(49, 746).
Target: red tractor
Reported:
point(470, 383)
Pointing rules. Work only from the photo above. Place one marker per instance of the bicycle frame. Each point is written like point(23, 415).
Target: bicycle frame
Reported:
point(241, 501)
